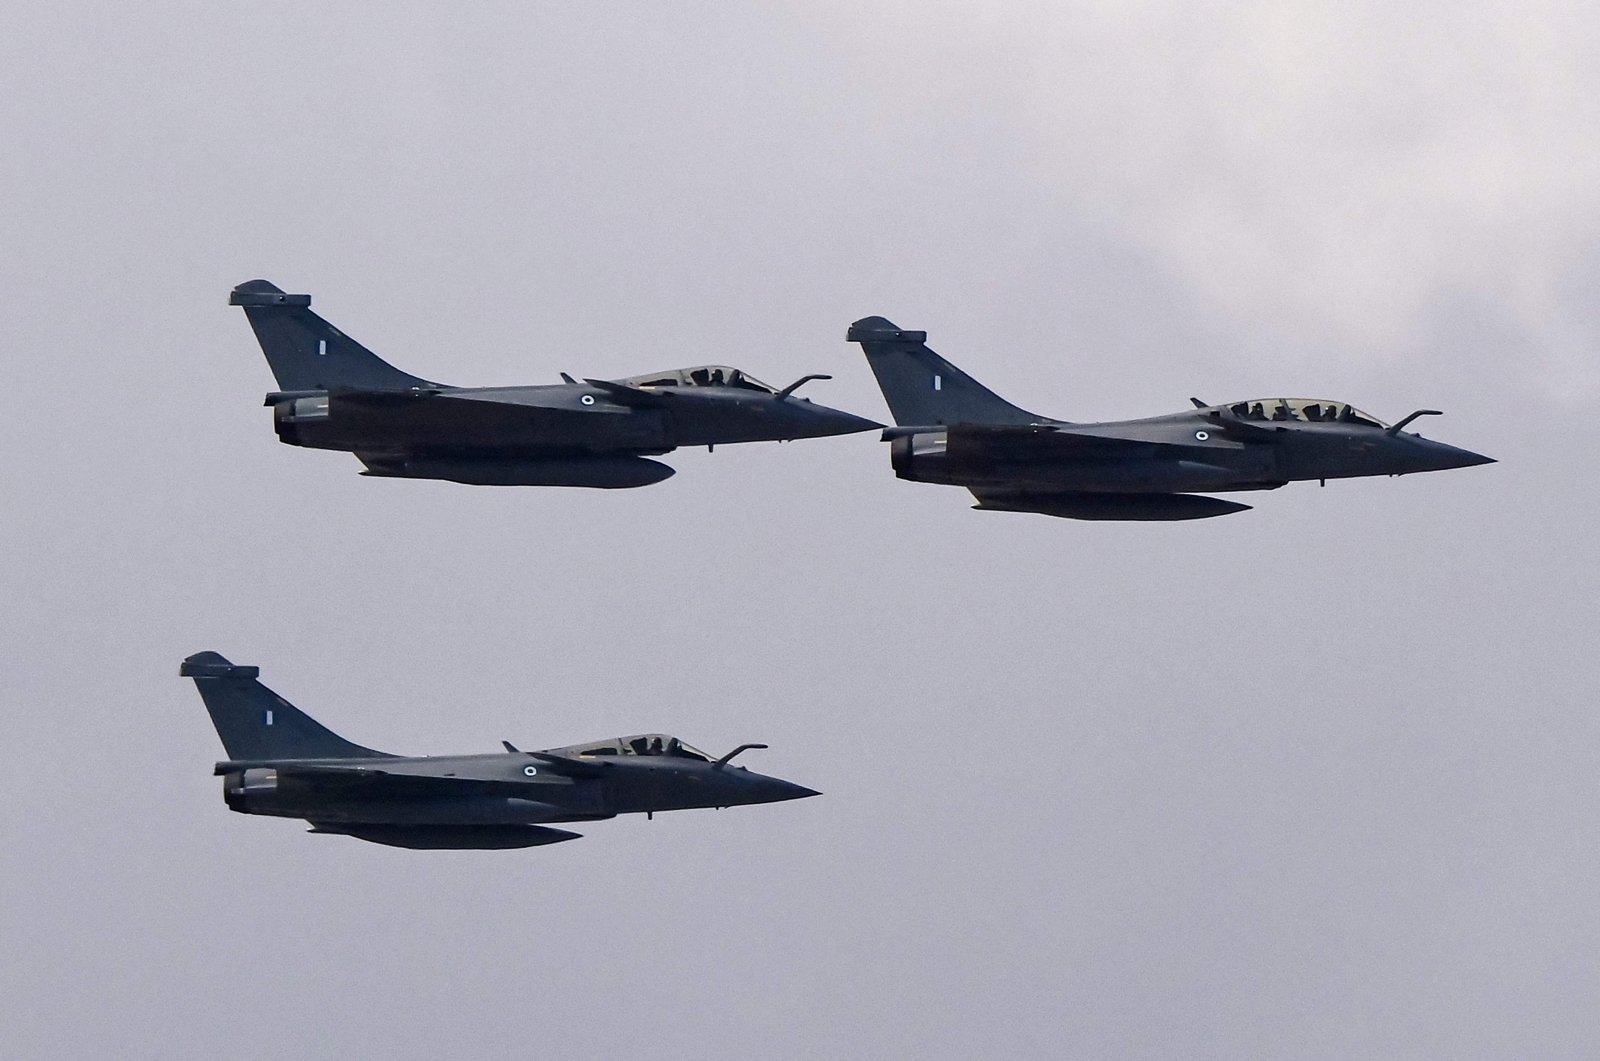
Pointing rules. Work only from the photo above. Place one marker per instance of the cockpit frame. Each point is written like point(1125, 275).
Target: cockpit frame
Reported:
point(1302, 410)
point(642, 745)
point(700, 376)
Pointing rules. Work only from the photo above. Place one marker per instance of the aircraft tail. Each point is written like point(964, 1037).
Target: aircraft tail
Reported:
point(306, 352)
point(256, 723)
point(923, 388)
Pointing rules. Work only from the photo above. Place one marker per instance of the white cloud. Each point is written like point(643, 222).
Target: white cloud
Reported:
point(1318, 172)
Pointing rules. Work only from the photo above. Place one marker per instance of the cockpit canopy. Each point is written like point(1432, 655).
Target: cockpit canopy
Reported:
point(1310, 410)
point(702, 376)
point(643, 744)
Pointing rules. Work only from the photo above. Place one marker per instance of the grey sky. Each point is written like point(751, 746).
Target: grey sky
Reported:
point(1316, 780)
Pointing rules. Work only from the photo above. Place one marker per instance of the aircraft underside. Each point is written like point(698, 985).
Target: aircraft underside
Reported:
point(607, 472)
point(1109, 506)
point(449, 837)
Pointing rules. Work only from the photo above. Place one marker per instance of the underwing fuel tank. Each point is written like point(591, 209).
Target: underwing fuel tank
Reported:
point(448, 837)
point(1139, 507)
point(606, 473)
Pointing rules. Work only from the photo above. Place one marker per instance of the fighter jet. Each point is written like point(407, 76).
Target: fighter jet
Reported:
point(281, 762)
point(951, 429)
point(336, 394)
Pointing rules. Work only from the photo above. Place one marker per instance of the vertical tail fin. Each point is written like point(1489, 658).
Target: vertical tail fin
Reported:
point(923, 388)
point(256, 723)
point(306, 352)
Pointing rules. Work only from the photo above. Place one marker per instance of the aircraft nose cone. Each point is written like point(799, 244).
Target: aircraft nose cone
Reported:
point(1442, 457)
point(775, 790)
point(861, 423)
point(1436, 456)
point(819, 421)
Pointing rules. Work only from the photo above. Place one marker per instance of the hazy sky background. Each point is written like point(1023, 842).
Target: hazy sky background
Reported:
point(1316, 780)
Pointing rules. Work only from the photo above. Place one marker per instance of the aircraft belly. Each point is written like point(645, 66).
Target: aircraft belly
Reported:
point(447, 837)
point(499, 468)
point(457, 424)
point(1142, 507)
point(1142, 476)
point(484, 810)
point(1040, 461)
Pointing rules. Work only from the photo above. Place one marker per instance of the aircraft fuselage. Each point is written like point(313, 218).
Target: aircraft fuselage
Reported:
point(510, 788)
point(1208, 450)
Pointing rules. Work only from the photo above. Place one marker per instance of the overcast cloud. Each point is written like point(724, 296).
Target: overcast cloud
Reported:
point(1316, 780)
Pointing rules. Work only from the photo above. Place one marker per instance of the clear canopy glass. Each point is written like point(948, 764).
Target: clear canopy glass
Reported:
point(701, 376)
point(643, 744)
point(1308, 410)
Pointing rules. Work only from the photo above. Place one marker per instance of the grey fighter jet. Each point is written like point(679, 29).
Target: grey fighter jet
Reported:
point(953, 430)
point(283, 763)
point(336, 394)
